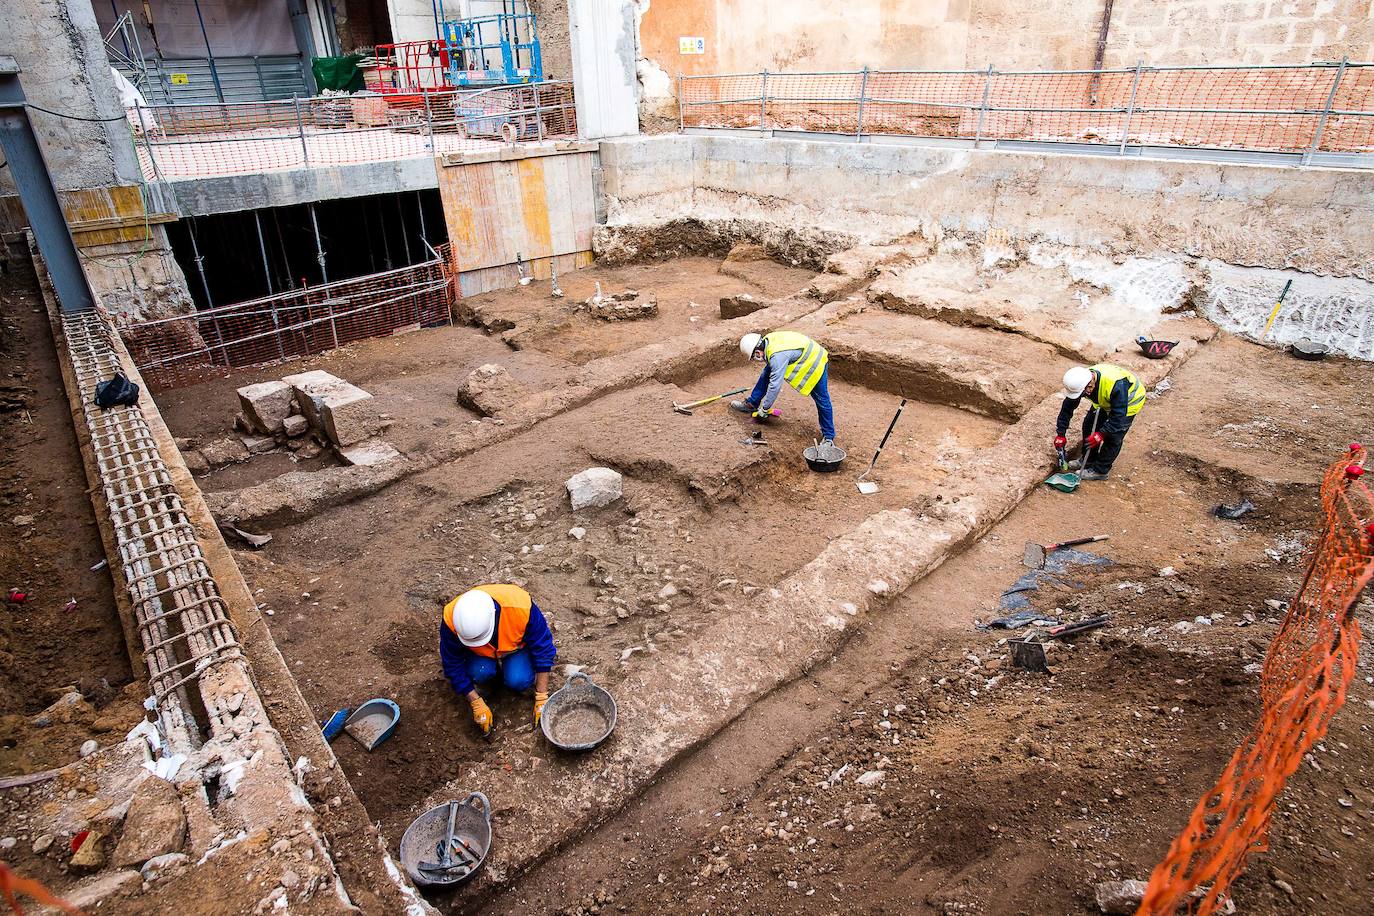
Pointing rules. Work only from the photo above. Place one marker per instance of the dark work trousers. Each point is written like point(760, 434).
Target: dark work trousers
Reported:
point(1101, 458)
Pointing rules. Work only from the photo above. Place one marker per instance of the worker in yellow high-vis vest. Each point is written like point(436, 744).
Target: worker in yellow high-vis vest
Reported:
point(793, 358)
point(1115, 396)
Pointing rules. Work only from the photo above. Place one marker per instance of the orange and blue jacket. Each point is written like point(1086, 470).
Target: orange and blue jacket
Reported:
point(519, 625)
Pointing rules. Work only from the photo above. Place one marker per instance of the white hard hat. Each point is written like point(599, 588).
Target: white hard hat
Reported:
point(749, 343)
point(1075, 380)
point(474, 617)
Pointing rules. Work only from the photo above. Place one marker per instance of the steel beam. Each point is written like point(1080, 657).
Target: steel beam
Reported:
point(39, 196)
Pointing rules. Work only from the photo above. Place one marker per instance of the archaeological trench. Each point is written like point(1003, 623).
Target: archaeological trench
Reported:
point(724, 572)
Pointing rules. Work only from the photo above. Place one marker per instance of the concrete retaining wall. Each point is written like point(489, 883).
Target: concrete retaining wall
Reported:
point(1312, 225)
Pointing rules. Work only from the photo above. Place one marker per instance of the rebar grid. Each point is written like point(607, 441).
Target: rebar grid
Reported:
point(181, 619)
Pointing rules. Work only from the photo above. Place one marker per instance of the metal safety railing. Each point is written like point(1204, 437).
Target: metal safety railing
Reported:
point(1307, 109)
point(303, 322)
point(197, 141)
point(181, 619)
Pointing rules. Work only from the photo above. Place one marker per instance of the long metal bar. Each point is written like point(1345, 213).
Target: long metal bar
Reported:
point(763, 102)
point(1326, 114)
point(680, 122)
point(983, 109)
point(1130, 107)
point(209, 54)
point(39, 196)
point(300, 129)
point(913, 72)
point(863, 91)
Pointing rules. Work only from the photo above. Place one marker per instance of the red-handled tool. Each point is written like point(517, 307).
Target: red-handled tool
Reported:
point(1035, 554)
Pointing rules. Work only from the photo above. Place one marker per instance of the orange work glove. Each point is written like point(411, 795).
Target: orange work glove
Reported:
point(539, 700)
point(481, 714)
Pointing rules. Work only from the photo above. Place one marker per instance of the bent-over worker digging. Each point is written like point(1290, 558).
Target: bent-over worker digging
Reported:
point(1117, 395)
point(496, 629)
point(798, 360)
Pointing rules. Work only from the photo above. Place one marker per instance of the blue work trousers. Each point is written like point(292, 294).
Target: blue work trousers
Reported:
point(820, 394)
point(516, 670)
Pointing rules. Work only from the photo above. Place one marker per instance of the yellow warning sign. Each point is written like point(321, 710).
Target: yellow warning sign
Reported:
point(690, 45)
point(179, 79)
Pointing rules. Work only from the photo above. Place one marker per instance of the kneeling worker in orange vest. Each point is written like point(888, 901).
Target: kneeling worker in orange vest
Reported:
point(496, 629)
point(793, 358)
point(1115, 396)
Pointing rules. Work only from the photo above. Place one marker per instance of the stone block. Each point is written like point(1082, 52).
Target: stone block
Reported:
point(739, 306)
point(344, 413)
point(295, 425)
point(488, 389)
point(256, 445)
point(594, 487)
point(265, 405)
point(220, 452)
point(370, 453)
point(154, 826)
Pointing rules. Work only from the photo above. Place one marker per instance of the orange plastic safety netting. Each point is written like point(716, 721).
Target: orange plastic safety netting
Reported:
point(1311, 663)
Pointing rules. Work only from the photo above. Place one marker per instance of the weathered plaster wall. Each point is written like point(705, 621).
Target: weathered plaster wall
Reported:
point(749, 35)
point(63, 67)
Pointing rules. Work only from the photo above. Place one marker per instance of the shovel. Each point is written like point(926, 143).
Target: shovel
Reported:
point(1035, 554)
point(868, 487)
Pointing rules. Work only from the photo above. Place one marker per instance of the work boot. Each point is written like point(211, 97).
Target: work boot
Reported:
point(743, 406)
point(1090, 474)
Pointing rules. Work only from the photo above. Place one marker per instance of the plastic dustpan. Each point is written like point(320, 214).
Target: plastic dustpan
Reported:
point(1063, 481)
point(335, 724)
point(373, 722)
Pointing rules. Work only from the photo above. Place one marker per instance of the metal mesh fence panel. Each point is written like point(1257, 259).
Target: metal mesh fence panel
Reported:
point(196, 141)
point(176, 351)
point(1318, 107)
point(1311, 662)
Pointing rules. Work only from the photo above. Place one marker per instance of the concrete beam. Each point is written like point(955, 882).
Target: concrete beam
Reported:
point(233, 193)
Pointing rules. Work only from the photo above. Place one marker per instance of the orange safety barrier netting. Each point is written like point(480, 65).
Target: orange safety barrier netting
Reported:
point(1310, 664)
point(12, 885)
point(202, 140)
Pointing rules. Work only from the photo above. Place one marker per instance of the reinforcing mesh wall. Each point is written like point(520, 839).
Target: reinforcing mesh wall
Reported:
point(1313, 108)
point(177, 351)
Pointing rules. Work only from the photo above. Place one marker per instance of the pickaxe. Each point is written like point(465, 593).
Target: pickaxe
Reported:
point(687, 408)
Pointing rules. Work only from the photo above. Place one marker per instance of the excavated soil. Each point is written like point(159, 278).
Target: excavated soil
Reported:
point(356, 593)
point(688, 292)
point(1004, 792)
point(1000, 791)
point(49, 544)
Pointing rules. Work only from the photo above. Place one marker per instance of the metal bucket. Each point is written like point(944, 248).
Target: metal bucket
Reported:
point(824, 459)
point(424, 839)
point(579, 716)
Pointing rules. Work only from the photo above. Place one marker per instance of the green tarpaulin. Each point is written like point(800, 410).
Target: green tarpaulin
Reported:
point(338, 72)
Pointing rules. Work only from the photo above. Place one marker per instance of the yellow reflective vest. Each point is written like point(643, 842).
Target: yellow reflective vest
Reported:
point(1107, 378)
point(804, 372)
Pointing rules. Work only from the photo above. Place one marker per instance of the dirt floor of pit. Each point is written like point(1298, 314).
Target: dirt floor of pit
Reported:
point(49, 545)
point(416, 375)
point(688, 292)
point(1011, 793)
point(356, 592)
